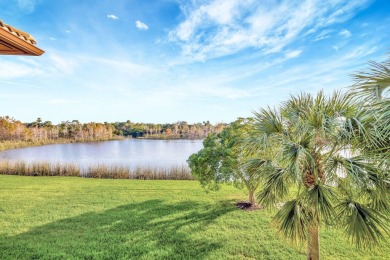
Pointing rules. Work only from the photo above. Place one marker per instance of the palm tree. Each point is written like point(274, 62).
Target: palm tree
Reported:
point(372, 89)
point(319, 164)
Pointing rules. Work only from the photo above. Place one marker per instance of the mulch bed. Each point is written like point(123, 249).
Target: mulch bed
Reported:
point(244, 205)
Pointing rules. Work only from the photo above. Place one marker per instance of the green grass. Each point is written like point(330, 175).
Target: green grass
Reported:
point(70, 218)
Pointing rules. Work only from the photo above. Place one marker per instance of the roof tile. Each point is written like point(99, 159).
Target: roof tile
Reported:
point(22, 35)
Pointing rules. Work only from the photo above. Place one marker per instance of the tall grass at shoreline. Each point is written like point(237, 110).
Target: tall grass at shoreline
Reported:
point(96, 171)
point(13, 144)
point(39, 168)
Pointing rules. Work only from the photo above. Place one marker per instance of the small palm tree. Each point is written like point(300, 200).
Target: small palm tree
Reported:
point(319, 164)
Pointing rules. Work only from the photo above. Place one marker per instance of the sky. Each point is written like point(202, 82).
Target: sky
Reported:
point(175, 60)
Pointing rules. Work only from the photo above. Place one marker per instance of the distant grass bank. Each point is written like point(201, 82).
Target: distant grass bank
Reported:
point(164, 137)
point(96, 171)
point(79, 218)
point(10, 144)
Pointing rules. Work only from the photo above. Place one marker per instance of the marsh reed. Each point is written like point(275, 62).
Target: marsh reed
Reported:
point(95, 171)
point(13, 144)
point(38, 168)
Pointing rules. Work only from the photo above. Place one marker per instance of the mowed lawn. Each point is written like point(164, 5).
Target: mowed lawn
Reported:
point(70, 218)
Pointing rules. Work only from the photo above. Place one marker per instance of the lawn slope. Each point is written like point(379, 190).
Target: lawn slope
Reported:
point(66, 217)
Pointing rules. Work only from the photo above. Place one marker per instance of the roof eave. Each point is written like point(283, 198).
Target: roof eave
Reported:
point(24, 47)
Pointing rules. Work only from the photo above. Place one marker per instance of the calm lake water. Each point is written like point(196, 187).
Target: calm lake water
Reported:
point(129, 152)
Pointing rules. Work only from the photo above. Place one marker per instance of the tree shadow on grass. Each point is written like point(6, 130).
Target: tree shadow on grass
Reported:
point(147, 230)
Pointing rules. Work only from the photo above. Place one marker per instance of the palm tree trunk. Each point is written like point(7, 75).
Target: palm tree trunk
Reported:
point(313, 246)
point(252, 199)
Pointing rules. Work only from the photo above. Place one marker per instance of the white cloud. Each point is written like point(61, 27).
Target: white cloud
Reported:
point(18, 69)
point(49, 65)
point(224, 27)
point(68, 31)
point(293, 54)
point(141, 26)
point(61, 64)
point(325, 34)
point(52, 39)
point(127, 67)
point(112, 17)
point(345, 33)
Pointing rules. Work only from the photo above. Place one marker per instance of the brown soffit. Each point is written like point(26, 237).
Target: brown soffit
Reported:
point(17, 42)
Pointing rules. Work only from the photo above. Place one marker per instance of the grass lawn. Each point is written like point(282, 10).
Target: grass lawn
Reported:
point(67, 217)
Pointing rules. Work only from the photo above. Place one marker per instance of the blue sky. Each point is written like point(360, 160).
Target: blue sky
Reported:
point(175, 60)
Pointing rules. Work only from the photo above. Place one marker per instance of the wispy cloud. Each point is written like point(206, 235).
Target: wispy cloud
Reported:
point(28, 5)
point(126, 67)
point(112, 17)
point(224, 27)
point(27, 68)
point(61, 64)
point(15, 69)
point(293, 54)
point(345, 33)
point(141, 26)
point(324, 34)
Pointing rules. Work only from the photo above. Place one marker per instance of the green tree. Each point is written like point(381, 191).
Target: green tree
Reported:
point(322, 169)
point(223, 160)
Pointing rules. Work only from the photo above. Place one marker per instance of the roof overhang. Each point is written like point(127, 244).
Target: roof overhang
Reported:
point(17, 42)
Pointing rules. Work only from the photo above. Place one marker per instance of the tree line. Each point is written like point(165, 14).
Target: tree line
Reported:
point(180, 129)
point(14, 130)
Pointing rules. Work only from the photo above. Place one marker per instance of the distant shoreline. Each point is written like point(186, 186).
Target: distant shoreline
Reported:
point(9, 144)
point(159, 138)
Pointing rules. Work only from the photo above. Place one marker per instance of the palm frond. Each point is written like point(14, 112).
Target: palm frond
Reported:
point(268, 121)
point(364, 226)
point(298, 156)
point(275, 187)
point(361, 172)
point(371, 85)
point(322, 197)
point(297, 106)
point(293, 220)
point(379, 199)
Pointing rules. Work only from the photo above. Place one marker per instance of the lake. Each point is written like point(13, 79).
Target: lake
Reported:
point(129, 152)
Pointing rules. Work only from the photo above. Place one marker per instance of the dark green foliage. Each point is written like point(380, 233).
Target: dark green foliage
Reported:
point(224, 159)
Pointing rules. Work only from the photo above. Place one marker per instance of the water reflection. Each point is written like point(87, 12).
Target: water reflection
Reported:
point(129, 152)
